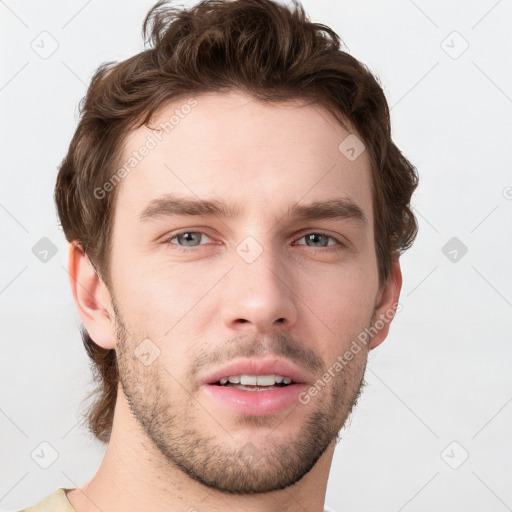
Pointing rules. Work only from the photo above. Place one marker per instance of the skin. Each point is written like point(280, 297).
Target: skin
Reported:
point(172, 446)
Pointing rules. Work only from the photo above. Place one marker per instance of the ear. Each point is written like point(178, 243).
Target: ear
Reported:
point(386, 305)
point(92, 298)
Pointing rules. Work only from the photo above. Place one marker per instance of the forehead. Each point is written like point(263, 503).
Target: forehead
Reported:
point(234, 148)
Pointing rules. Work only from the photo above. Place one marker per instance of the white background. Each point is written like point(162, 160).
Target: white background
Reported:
point(443, 374)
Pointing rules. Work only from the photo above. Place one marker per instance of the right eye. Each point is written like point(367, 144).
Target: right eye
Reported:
point(186, 238)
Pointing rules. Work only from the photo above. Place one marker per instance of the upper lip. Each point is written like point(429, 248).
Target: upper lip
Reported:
point(254, 366)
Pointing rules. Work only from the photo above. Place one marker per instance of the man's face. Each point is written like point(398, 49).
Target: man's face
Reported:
point(260, 286)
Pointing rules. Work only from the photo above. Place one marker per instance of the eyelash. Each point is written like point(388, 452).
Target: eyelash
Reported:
point(339, 245)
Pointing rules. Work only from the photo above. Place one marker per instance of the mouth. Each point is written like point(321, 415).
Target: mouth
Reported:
point(255, 382)
point(256, 387)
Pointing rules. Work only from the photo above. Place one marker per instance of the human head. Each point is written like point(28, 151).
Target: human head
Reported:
point(264, 49)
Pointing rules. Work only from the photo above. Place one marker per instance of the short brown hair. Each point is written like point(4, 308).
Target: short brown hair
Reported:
point(270, 51)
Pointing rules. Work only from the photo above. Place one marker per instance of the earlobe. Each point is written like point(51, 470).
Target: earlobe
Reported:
point(91, 297)
point(387, 305)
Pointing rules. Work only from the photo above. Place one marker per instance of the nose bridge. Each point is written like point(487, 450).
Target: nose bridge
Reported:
point(260, 292)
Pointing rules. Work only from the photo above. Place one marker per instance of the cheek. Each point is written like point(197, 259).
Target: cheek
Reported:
point(168, 303)
point(340, 302)
point(152, 288)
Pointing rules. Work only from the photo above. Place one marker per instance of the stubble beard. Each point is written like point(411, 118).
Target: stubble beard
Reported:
point(228, 465)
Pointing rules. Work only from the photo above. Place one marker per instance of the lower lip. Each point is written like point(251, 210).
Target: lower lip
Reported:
point(256, 403)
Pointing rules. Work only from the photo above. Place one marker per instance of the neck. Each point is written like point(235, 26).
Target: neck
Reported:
point(134, 475)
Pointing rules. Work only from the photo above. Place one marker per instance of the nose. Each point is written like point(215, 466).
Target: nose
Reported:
point(259, 296)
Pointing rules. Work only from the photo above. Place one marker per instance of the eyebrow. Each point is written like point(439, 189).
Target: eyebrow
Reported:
point(170, 205)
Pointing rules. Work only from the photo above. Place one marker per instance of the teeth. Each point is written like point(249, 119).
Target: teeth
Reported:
point(256, 380)
point(248, 380)
point(266, 380)
point(254, 388)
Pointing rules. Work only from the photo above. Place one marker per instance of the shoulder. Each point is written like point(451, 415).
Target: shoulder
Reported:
point(57, 501)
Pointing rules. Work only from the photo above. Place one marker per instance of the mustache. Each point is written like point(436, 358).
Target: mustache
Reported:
point(248, 346)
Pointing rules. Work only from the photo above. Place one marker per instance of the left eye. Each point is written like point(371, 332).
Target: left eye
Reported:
point(193, 239)
point(321, 238)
